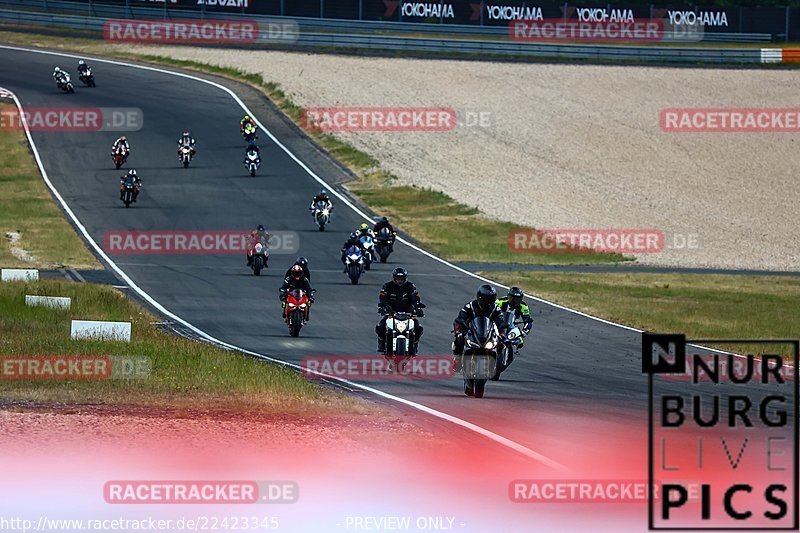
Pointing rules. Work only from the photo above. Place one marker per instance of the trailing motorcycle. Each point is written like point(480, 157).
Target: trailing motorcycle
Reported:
point(64, 83)
point(186, 156)
point(260, 257)
point(120, 156)
point(506, 350)
point(354, 264)
point(296, 312)
point(252, 162)
point(87, 77)
point(384, 243)
point(369, 250)
point(479, 360)
point(322, 214)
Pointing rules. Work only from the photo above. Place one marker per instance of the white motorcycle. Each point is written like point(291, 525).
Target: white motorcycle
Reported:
point(186, 156)
point(354, 264)
point(252, 163)
point(322, 214)
point(64, 83)
point(369, 250)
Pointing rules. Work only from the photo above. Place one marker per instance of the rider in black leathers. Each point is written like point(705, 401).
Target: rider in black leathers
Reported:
point(485, 304)
point(398, 295)
point(303, 262)
point(296, 280)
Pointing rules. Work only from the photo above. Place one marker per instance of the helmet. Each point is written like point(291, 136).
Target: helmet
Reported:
point(515, 296)
point(123, 139)
point(354, 235)
point(81, 62)
point(323, 193)
point(186, 134)
point(246, 117)
point(301, 261)
point(132, 172)
point(399, 275)
point(57, 69)
point(260, 228)
point(486, 296)
point(296, 272)
point(363, 228)
point(384, 219)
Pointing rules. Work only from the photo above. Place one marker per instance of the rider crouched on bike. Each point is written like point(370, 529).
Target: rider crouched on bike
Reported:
point(122, 141)
point(257, 235)
point(133, 178)
point(351, 241)
point(398, 295)
point(296, 280)
point(484, 304)
point(187, 140)
point(252, 147)
point(514, 300)
point(303, 263)
point(384, 223)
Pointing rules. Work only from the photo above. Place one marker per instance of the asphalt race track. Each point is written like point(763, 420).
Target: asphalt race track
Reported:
point(576, 376)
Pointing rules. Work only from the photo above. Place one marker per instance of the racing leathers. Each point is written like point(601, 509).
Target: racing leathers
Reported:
point(121, 142)
point(126, 180)
point(523, 314)
point(398, 298)
point(351, 241)
point(186, 140)
point(292, 284)
point(467, 314)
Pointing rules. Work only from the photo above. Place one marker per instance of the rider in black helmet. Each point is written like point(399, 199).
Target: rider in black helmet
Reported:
point(484, 304)
point(398, 295)
point(303, 262)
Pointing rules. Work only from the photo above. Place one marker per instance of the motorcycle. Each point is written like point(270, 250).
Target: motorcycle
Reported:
point(296, 311)
point(479, 361)
point(253, 162)
point(400, 340)
point(384, 243)
point(120, 156)
point(65, 84)
point(354, 264)
point(369, 250)
point(506, 351)
point(322, 214)
point(129, 192)
point(87, 77)
point(186, 156)
point(260, 255)
point(249, 133)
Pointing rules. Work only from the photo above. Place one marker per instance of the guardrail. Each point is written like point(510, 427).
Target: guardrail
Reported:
point(312, 24)
point(451, 47)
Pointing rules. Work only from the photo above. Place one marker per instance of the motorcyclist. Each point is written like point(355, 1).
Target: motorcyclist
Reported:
point(485, 304)
point(186, 139)
point(122, 141)
point(130, 178)
point(321, 196)
point(351, 241)
point(398, 295)
point(364, 231)
point(514, 300)
point(59, 75)
point(384, 223)
point(296, 280)
point(251, 147)
point(303, 263)
point(257, 235)
point(83, 68)
point(245, 121)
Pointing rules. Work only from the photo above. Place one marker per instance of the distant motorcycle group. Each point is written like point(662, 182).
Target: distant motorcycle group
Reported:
point(64, 81)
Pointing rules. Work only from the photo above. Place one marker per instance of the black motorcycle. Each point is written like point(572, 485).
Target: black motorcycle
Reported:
point(86, 77)
point(479, 361)
point(128, 193)
point(384, 243)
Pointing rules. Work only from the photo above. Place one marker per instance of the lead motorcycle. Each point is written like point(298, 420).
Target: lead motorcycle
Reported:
point(64, 83)
point(400, 338)
point(354, 264)
point(186, 156)
point(296, 313)
point(479, 361)
point(384, 244)
point(322, 214)
point(120, 156)
point(260, 255)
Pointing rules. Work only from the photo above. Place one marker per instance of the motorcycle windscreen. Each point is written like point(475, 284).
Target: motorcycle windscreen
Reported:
point(354, 250)
point(481, 329)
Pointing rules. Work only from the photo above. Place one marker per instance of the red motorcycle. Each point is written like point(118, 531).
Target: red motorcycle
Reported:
point(296, 312)
point(120, 156)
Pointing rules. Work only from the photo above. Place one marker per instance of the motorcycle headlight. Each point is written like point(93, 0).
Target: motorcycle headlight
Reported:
point(259, 247)
point(324, 211)
point(401, 326)
point(490, 345)
point(291, 305)
point(302, 306)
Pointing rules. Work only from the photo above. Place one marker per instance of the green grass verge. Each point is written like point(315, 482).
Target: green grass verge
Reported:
point(185, 373)
point(439, 223)
point(699, 305)
point(27, 209)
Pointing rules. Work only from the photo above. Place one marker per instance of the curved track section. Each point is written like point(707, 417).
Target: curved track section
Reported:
point(575, 371)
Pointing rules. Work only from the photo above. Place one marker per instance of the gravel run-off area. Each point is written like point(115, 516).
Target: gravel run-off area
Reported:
point(573, 146)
